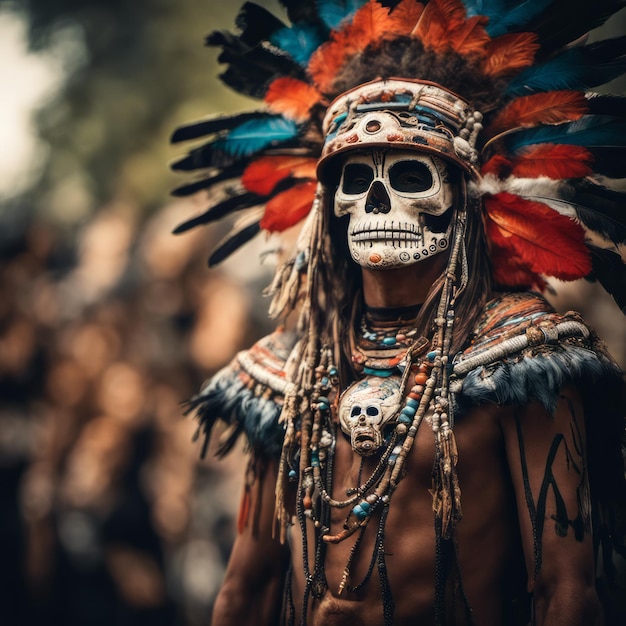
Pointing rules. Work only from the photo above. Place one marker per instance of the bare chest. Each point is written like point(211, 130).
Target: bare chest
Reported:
point(397, 546)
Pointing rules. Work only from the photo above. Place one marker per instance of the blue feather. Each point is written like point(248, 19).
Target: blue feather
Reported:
point(333, 12)
point(255, 135)
point(299, 42)
point(576, 68)
point(505, 16)
point(589, 131)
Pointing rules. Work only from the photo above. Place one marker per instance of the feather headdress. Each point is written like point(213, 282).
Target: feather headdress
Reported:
point(543, 156)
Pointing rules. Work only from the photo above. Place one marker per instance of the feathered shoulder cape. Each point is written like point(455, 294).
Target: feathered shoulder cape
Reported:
point(520, 351)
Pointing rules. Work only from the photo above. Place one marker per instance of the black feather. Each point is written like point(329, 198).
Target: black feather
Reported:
point(612, 105)
point(610, 271)
point(217, 211)
point(609, 161)
point(252, 68)
point(301, 12)
point(601, 209)
point(252, 74)
point(228, 439)
point(212, 125)
point(232, 45)
point(256, 23)
point(206, 155)
point(559, 25)
point(189, 189)
point(232, 242)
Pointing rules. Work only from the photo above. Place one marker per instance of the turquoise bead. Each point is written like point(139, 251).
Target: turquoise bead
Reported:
point(373, 372)
point(403, 418)
point(359, 512)
point(389, 341)
point(412, 402)
point(292, 474)
point(431, 355)
point(408, 410)
point(333, 371)
point(323, 403)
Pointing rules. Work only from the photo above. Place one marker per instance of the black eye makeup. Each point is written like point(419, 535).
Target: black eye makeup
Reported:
point(410, 177)
point(357, 177)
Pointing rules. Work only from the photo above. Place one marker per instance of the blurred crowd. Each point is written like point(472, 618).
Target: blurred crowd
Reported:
point(109, 516)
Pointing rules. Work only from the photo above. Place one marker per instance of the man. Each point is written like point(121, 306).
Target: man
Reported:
point(425, 442)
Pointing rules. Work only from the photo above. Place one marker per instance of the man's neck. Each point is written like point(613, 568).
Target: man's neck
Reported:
point(404, 286)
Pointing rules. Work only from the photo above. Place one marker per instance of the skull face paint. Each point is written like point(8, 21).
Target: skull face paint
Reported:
point(399, 203)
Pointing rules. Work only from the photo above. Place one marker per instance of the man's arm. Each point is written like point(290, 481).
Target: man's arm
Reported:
point(253, 587)
point(548, 462)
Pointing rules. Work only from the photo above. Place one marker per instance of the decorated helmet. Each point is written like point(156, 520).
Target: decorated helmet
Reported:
point(498, 88)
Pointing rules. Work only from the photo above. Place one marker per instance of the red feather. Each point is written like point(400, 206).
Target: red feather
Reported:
point(538, 238)
point(289, 207)
point(244, 509)
point(554, 161)
point(372, 23)
point(510, 53)
point(509, 272)
point(552, 107)
point(498, 166)
point(292, 98)
point(262, 175)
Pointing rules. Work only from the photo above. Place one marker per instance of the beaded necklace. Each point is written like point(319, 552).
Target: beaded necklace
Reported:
point(385, 351)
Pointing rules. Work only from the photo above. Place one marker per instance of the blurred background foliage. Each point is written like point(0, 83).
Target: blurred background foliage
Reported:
point(108, 323)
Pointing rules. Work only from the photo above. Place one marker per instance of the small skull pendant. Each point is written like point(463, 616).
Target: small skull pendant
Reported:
point(365, 408)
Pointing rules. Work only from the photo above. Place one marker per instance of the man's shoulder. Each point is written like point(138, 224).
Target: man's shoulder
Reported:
point(247, 395)
point(521, 350)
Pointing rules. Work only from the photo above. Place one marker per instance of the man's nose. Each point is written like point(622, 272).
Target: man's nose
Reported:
point(377, 200)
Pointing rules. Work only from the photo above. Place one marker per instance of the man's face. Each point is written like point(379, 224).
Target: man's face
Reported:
point(400, 207)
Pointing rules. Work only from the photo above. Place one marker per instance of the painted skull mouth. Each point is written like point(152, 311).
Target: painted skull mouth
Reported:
point(366, 440)
point(400, 235)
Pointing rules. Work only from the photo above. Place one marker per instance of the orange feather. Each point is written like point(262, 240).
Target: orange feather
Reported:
point(262, 175)
point(471, 37)
point(443, 26)
point(510, 53)
point(289, 207)
point(552, 107)
point(555, 161)
point(372, 23)
point(537, 237)
point(292, 98)
point(405, 15)
point(431, 27)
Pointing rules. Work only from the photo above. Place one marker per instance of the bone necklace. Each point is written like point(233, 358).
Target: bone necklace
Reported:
point(383, 354)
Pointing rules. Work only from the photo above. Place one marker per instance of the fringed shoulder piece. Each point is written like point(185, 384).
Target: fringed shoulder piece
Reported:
point(522, 351)
point(248, 396)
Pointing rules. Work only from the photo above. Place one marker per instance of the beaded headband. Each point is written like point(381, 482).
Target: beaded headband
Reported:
point(403, 114)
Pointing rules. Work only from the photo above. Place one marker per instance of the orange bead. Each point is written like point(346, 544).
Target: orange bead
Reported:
point(421, 378)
